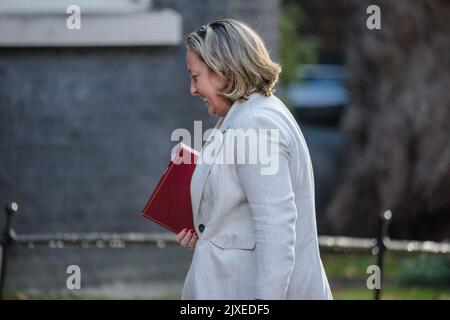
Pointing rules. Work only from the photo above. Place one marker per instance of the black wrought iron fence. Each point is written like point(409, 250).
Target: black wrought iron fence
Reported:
point(376, 246)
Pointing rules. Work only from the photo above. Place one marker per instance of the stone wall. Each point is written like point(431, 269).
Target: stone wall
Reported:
point(84, 138)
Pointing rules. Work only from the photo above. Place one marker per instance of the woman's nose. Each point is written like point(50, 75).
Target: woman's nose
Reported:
point(193, 89)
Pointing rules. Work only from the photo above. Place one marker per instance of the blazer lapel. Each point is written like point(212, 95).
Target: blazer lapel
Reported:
point(205, 168)
point(223, 124)
point(202, 169)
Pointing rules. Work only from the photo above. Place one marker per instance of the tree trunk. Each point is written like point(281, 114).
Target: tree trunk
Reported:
point(398, 123)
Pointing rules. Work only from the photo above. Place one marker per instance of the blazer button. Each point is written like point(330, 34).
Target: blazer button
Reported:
point(201, 227)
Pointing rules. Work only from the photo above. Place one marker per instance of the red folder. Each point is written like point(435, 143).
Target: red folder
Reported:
point(170, 204)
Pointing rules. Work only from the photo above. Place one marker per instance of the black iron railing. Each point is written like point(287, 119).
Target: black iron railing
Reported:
point(377, 246)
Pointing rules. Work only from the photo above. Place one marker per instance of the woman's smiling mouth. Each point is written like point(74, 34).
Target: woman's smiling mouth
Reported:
point(204, 100)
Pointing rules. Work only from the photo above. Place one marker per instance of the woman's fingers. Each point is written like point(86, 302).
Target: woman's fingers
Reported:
point(187, 238)
point(185, 241)
point(191, 244)
point(181, 235)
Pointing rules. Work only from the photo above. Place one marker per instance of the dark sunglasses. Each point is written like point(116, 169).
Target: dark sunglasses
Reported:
point(202, 30)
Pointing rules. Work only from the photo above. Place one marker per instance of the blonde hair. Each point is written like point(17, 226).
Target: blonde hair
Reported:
point(235, 52)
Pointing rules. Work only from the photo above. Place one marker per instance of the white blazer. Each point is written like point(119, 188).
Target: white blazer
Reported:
point(257, 233)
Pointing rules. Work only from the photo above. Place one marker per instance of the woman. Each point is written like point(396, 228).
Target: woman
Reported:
point(255, 233)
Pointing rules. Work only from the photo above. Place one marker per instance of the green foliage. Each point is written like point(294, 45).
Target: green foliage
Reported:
point(391, 292)
point(426, 271)
point(410, 276)
point(295, 51)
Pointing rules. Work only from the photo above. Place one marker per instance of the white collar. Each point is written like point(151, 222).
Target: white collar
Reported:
point(225, 121)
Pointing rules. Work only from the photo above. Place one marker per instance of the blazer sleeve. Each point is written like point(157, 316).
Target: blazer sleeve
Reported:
point(273, 210)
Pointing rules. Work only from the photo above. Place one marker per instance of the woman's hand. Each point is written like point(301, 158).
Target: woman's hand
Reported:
point(187, 238)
